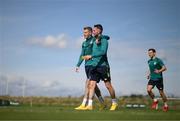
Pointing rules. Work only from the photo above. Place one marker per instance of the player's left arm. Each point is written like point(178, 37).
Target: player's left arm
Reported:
point(163, 67)
point(161, 70)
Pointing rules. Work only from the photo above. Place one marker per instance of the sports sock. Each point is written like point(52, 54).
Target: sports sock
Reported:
point(84, 101)
point(165, 104)
point(90, 102)
point(114, 101)
point(155, 100)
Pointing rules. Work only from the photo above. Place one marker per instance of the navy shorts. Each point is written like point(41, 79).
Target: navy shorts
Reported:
point(100, 73)
point(158, 83)
point(88, 70)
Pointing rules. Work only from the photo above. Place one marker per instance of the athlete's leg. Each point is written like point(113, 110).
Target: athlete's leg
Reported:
point(149, 91)
point(97, 91)
point(85, 98)
point(160, 87)
point(163, 95)
point(102, 105)
point(99, 95)
point(92, 85)
point(104, 73)
point(164, 98)
point(112, 94)
point(86, 89)
point(151, 94)
point(110, 89)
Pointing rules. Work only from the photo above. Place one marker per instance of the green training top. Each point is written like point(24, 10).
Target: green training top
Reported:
point(99, 52)
point(86, 50)
point(87, 46)
point(154, 64)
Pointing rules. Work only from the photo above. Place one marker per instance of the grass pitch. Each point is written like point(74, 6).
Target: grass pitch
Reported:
point(50, 113)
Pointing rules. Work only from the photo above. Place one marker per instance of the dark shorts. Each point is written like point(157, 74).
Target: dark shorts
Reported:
point(100, 73)
point(158, 83)
point(88, 70)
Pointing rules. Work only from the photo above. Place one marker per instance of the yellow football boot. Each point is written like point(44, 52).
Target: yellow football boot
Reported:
point(114, 106)
point(81, 107)
point(88, 108)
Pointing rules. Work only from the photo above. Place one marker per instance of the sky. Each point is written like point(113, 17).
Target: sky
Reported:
point(40, 43)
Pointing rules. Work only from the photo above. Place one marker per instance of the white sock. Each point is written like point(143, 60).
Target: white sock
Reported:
point(101, 100)
point(90, 102)
point(155, 100)
point(114, 101)
point(165, 104)
point(84, 101)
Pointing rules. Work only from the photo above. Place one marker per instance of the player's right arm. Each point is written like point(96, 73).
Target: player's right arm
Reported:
point(148, 74)
point(80, 59)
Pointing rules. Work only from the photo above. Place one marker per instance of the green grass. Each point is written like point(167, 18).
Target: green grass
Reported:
point(68, 113)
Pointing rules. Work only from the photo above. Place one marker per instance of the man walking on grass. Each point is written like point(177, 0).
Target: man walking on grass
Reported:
point(100, 69)
point(87, 50)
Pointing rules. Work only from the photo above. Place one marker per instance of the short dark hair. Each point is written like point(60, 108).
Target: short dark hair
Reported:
point(152, 49)
point(88, 28)
point(99, 26)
